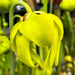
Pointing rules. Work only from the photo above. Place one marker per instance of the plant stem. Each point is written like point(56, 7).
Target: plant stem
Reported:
point(11, 25)
point(51, 5)
point(3, 73)
point(70, 41)
point(12, 11)
point(43, 52)
point(18, 16)
point(60, 60)
point(8, 73)
point(74, 67)
point(24, 70)
point(30, 71)
point(1, 32)
point(57, 11)
point(0, 23)
point(3, 21)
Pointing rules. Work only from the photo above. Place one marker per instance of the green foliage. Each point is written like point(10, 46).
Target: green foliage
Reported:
point(67, 23)
point(4, 45)
point(44, 8)
point(5, 62)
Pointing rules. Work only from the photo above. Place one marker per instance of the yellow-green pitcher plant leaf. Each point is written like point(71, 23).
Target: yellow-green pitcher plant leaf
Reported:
point(13, 34)
point(44, 30)
point(67, 5)
point(57, 55)
point(54, 49)
point(5, 5)
point(19, 51)
point(35, 71)
point(59, 25)
point(60, 28)
point(34, 56)
point(52, 52)
point(15, 30)
point(4, 44)
point(60, 59)
point(23, 52)
point(37, 59)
